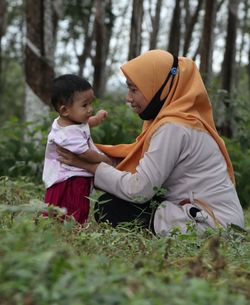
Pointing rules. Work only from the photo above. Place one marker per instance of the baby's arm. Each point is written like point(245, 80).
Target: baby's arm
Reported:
point(93, 156)
point(98, 118)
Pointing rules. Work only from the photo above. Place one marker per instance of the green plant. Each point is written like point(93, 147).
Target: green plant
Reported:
point(44, 261)
point(22, 148)
point(241, 162)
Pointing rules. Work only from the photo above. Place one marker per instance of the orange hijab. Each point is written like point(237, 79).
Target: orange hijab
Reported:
point(187, 103)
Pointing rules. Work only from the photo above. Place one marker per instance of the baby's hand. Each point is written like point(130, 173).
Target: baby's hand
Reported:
point(97, 118)
point(101, 115)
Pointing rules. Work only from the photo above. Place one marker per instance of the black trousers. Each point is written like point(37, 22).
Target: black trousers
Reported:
point(117, 211)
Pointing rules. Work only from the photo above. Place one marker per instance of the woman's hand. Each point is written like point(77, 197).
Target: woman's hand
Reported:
point(66, 156)
point(72, 159)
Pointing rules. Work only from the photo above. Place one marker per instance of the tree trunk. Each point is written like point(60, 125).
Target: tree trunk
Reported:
point(39, 57)
point(136, 29)
point(80, 16)
point(228, 65)
point(248, 69)
point(229, 55)
point(186, 6)
point(88, 40)
point(89, 34)
point(155, 25)
point(244, 40)
point(175, 30)
point(104, 21)
point(192, 20)
point(3, 7)
point(207, 41)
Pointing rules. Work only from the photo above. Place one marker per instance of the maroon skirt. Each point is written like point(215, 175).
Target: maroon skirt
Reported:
point(71, 195)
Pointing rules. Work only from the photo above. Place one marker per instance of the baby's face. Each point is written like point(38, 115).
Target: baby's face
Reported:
point(81, 109)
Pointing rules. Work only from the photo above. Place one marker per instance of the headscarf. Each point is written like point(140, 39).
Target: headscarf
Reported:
point(187, 104)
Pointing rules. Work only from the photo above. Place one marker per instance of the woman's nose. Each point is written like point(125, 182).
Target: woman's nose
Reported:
point(129, 98)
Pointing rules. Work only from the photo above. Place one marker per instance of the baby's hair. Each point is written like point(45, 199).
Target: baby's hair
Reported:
point(64, 87)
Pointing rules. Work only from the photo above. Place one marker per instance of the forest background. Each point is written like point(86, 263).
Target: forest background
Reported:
point(40, 39)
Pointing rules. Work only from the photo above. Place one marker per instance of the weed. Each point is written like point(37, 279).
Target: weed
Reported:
point(43, 261)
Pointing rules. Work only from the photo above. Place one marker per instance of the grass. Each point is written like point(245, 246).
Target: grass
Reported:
point(43, 261)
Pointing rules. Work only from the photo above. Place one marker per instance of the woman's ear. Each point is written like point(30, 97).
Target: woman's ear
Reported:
point(63, 111)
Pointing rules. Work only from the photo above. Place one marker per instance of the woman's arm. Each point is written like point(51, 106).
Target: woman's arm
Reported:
point(93, 156)
point(69, 158)
point(152, 171)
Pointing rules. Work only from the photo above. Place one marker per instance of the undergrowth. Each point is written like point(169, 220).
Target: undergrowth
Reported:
point(43, 261)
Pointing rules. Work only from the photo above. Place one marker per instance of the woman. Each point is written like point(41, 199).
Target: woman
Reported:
point(178, 150)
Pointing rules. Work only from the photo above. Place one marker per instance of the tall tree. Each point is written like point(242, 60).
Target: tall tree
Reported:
point(155, 21)
point(191, 20)
point(207, 41)
point(104, 21)
point(244, 29)
point(39, 57)
point(198, 49)
point(118, 37)
point(135, 42)
point(175, 30)
point(80, 16)
point(11, 57)
point(246, 34)
point(228, 64)
point(248, 69)
point(3, 7)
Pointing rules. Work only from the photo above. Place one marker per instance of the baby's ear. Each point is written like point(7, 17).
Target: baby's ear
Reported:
point(63, 111)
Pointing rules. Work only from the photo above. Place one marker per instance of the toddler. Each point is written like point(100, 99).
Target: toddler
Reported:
point(68, 186)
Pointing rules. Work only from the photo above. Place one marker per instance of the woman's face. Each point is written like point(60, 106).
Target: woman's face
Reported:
point(135, 98)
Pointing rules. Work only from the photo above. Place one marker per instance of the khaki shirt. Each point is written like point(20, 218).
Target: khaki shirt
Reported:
point(189, 165)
